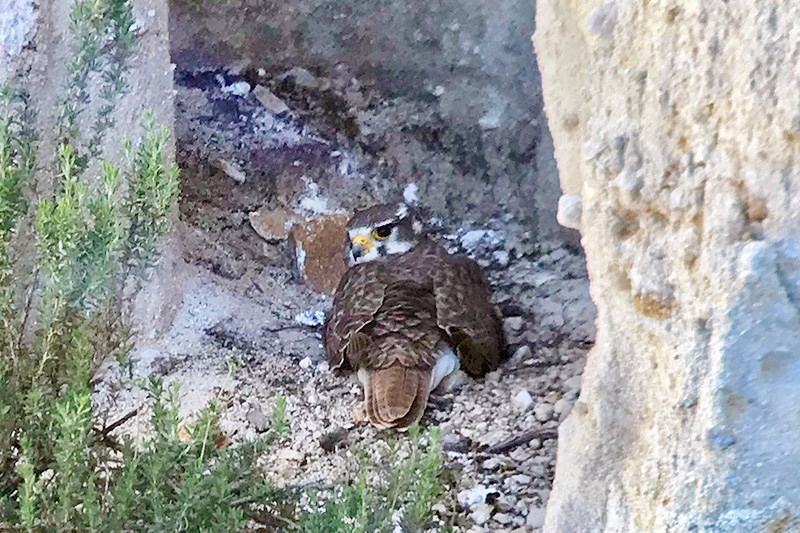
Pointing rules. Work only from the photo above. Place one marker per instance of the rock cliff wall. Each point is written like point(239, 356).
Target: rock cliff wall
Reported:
point(442, 92)
point(677, 132)
point(37, 47)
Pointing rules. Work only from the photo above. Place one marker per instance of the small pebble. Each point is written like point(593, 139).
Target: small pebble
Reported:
point(453, 442)
point(505, 503)
point(522, 354)
point(514, 323)
point(492, 464)
point(521, 479)
point(480, 513)
point(473, 496)
point(543, 412)
point(502, 518)
point(522, 401)
point(573, 383)
point(501, 257)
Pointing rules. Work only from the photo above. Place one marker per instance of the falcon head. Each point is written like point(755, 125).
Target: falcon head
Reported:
point(381, 231)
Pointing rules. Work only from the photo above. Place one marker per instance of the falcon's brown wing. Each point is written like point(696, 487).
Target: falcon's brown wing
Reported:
point(398, 365)
point(359, 296)
point(464, 310)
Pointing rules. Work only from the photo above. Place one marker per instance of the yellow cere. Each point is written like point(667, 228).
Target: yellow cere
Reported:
point(364, 241)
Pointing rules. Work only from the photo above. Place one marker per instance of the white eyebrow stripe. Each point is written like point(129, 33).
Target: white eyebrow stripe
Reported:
point(363, 230)
point(385, 222)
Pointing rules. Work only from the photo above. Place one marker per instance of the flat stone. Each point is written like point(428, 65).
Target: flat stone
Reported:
point(273, 225)
point(271, 103)
point(319, 248)
point(521, 479)
point(480, 513)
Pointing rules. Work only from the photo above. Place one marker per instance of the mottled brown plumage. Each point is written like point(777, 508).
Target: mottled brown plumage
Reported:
point(394, 314)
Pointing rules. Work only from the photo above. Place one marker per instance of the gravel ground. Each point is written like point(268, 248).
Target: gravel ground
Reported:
point(245, 303)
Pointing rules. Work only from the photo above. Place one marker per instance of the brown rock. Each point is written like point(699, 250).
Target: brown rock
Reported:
point(273, 225)
point(319, 248)
point(757, 210)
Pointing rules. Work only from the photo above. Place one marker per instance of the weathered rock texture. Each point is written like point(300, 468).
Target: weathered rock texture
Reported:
point(35, 48)
point(677, 124)
point(454, 77)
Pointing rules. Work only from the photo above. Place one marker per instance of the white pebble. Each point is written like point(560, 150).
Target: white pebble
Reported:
point(561, 406)
point(514, 323)
point(475, 495)
point(502, 518)
point(522, 401)
point(480, 513)
point(240, 88)
point(570, 211)
point(521, 479)
point(310, 317)
point(543, 412)
point(523, 353)
point(410, 194)
point(501, 256)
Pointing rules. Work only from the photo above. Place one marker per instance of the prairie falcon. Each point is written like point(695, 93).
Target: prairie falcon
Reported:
point(406, 314)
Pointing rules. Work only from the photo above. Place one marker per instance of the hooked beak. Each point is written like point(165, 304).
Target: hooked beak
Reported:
point(360, 245)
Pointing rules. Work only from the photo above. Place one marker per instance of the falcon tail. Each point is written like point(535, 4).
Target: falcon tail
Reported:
point(396, 396)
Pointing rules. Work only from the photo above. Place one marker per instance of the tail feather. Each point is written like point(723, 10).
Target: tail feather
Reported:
point(396, 396)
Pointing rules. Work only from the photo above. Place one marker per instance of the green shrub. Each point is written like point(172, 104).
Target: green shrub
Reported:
point(66, 260)
point(400, 493)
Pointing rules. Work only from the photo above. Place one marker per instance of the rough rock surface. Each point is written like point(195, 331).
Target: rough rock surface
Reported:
point(677, 125)
point(36, 44)
point(404, 80)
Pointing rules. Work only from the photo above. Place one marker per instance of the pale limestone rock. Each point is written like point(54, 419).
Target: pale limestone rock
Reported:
point(17, 24)
point(569, 211)
point(676, 124)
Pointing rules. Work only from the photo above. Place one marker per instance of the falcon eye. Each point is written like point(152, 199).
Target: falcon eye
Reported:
point(382, 232)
